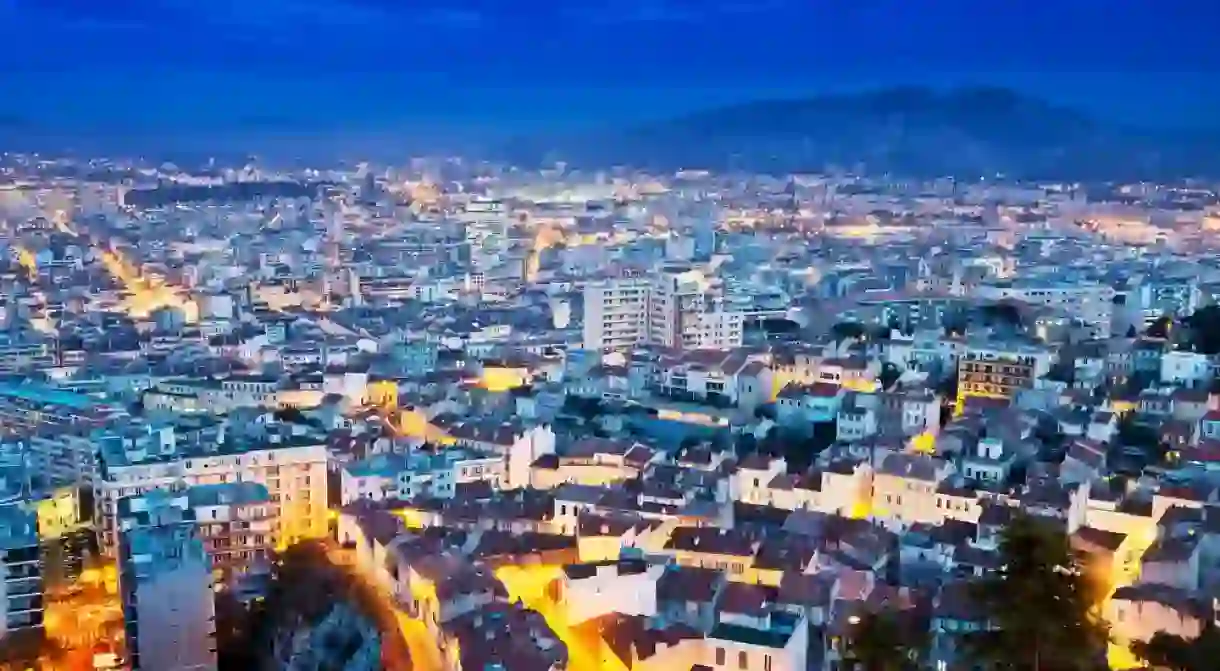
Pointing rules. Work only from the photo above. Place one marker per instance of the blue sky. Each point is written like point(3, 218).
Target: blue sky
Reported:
point(153, 66)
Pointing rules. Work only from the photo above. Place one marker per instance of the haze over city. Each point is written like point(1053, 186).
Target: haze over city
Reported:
point(487, 68)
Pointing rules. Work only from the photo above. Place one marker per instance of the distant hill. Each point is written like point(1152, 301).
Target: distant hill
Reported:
point(907, 131)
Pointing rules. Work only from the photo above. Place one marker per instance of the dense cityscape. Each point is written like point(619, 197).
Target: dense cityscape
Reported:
point(452, 415)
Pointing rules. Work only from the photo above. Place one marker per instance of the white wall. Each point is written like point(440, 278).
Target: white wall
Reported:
point(608, 592)
point(174, 612)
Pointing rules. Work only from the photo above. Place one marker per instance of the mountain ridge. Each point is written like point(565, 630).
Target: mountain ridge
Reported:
point(914, 131)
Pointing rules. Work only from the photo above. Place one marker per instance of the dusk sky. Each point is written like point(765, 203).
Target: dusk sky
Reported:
point(177, 65)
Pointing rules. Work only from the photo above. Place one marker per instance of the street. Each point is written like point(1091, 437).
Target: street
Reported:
point(422, 653)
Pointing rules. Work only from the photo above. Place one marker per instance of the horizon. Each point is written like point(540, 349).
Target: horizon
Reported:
point(291, 138)
point(165, 69)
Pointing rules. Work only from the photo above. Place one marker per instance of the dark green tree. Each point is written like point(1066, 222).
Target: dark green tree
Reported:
point(1166, 651)
point(1160, 328)
point(887, 641)
point(848, 330)
point(1041, 609)
point(889, 375)
point(1133, 433)
point(1204, 326)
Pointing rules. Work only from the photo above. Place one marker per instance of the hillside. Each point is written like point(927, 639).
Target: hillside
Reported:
point(909, 131)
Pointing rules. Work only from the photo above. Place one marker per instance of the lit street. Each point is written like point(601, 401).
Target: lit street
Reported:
point(529, 584)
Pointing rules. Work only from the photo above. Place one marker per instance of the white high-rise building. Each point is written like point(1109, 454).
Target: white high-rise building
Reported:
point(615, 313)
point(165, 581)
point(1091, 303)
point(678, 307)
point(293, 469)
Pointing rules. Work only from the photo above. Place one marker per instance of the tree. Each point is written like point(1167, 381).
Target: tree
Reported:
point(587, 408)
point(1204, 326)
point(956, 325)
point(1179, 654)
point(689, 443)
point(848, 330)
point(880, 333)
point(239, 629)
point(1160, 328)
point(889, 375)
point(886, 641)
point(23, 649)
point(947, 385)
point(1040, 607)
point(1003, 313)
point(1132, 433)
point(289, 415)
point(305, 588)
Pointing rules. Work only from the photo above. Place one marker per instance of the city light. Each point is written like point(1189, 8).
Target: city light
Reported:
point(145, 295)
point(915, 361)
point(531, 586)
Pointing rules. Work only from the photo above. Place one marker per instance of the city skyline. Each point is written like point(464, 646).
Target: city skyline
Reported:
point(657, 335)
point(484, 69)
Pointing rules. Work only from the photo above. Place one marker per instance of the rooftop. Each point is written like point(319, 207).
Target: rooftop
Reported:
point(39, 393)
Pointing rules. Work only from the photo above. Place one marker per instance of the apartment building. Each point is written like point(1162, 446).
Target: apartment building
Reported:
point(686, 310)
point(1091, 303)
point(719, 378)
point(1190, 369)
point(677, 307)
point(905, 490)
point(22, 354)
point(68, 456)
point(1159, 296)
point(235, 523)
point(517, 444)
point(594, 590)
point(38, 408)
point(615, 312)
point(21, 583)
point(293, 469)
point(991, 369)
point(165, 583)
point(188, 396)
point(777, 641)
point(429, 474)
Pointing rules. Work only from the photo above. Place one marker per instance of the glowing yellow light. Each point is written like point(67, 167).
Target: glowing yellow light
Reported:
point(924, 443)
point(860, 385)
point(146, 294)
point(860, 510)
point(496, 378)
point(383, 394)
point(414, 519)
point(26, 259)
point(529, 584)
point(57, 515)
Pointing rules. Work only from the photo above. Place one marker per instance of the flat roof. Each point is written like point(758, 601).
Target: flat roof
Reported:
point(48, 395)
